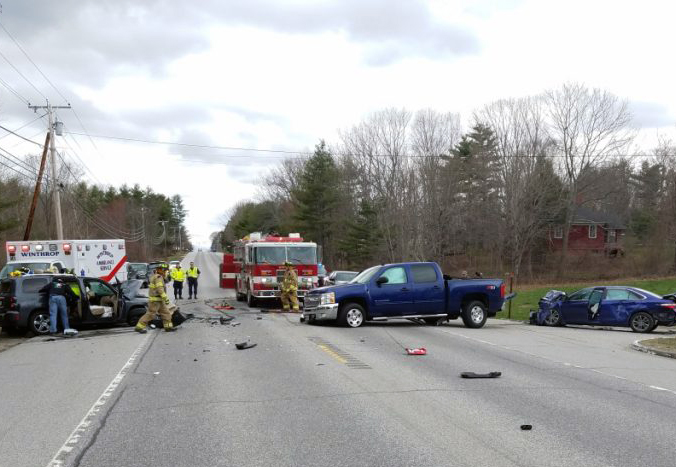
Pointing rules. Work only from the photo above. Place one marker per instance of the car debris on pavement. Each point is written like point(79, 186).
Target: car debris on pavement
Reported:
point(418, 351)
point(472, 375)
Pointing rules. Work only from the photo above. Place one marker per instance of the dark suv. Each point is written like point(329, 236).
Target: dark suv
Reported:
point(24, 302)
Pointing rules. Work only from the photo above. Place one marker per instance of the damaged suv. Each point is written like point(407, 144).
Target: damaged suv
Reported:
point(618, 306)
point(24, 302)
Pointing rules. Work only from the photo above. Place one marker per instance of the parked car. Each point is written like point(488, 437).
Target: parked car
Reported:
point(173, 264)
point(137, 270)
point(406, 291)
point(322, 275)
point(620, 306)
point(24, 302)
point(151, 270)
point(340, 277)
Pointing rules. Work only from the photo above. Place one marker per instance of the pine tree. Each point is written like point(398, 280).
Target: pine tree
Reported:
point(362, 237)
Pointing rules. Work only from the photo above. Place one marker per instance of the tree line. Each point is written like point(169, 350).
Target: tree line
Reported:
point(152, 223)
point(404, 185)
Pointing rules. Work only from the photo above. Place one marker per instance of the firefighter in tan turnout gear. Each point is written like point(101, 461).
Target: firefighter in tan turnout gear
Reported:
point(157, 301)
point(289, 288)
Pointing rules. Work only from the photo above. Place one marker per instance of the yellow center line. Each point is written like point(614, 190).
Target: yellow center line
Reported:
point(332, 353)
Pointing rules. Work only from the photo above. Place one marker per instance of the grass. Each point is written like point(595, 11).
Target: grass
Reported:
point(527, 297)
point(661, 343)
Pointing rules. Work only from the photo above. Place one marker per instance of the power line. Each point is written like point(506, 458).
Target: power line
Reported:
point(22, 126)
point(13, 91)
point(18, 135)
point(20, 162)
point(27, 177)
point(23, 76)
point(31, 60)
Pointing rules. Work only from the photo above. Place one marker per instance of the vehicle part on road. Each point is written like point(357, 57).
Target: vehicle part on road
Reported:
point(474, 314)
point(526, 427)
point(472, 375)
point(225, 319)
point(642, 322)
point(259, 317)
point(419, 351)
point(352, 315)
point(245, 345)
point(235, 324)
point(38, 322)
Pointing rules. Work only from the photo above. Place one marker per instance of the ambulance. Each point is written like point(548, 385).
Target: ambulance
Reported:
point(104, 259)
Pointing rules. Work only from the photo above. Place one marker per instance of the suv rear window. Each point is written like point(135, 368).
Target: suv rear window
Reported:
point(33, 284)
point(6, 286)
point(423, 273)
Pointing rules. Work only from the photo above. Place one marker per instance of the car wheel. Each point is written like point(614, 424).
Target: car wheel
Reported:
point(352, 315)
point(38, 322)
point(250, 299)
point(553, 319)
point(474, 314)
point(135, 315)
point(641, 322)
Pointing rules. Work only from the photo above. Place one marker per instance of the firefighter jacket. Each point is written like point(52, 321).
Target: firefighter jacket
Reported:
point(157, 292)
point(178, 275)
point(290, 281)
point(193, 272)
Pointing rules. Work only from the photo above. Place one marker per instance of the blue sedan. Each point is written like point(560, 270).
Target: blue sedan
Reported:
point(638, 309)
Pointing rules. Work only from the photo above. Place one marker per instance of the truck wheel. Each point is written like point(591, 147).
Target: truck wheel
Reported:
point(250, 299)
point(474, 314)
point(351, 315)
point(240, 296)
point(38, 322)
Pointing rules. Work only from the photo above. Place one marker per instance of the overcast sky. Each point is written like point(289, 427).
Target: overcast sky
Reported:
point(283, 74)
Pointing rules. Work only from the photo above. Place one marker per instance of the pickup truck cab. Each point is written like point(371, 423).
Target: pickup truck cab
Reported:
point(406, 291)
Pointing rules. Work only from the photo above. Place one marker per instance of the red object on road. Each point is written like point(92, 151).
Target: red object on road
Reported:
point(420, 351)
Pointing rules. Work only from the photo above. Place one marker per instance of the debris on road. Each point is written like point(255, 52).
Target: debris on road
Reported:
point(156, 373)
point(245, 345)
point(419, 351)
point(195, 360)
point(226, 319)
point(259, 317)
point(472, 375)
point(235, 324)
point(70, 332)
point(526, 427)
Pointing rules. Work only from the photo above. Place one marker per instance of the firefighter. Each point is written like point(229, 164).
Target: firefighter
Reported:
point(157, 301)
point(193, 274)
point(289, 288)
point(178, 276)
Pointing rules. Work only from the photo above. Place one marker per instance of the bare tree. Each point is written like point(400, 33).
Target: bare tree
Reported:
point(587, 126)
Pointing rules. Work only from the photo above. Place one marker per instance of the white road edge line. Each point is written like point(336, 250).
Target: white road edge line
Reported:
point(60, 456)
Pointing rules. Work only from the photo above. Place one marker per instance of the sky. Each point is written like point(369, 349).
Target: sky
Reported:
point(282, 75)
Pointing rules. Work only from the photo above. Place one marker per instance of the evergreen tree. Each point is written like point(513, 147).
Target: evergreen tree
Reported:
point(362, 237)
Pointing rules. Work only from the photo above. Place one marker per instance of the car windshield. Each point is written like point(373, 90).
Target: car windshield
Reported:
point(345, 276)
point(270, 254)
point(302, 254)
point(137, 267)
point(33, 267)
point(364, 276)
point(279, 254)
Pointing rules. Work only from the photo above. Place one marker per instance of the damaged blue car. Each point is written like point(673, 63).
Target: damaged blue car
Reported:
point(618, 306)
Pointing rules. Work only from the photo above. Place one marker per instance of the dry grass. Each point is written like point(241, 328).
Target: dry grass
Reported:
point(661, 343)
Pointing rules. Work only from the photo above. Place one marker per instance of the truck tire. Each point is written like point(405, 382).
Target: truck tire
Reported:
point(250, 299)
point(239, 296)
point(38, 322)
point(474, 314)
point(351, 315)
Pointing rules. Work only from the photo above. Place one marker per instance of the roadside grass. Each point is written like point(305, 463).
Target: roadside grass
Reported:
point(661, 343)
point(527, 297)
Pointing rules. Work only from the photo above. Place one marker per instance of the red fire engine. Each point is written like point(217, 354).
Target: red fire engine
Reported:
point(260, 261)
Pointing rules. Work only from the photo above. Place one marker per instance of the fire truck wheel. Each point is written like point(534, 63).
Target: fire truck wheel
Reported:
point(240, 296)
point(352, 315)
point(250, 299)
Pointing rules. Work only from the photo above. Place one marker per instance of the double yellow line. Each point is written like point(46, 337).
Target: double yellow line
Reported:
point(332, 353)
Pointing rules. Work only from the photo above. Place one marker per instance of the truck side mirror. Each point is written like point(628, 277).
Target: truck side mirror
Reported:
point(382, 280)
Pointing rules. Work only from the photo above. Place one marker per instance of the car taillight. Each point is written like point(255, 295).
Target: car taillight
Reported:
point(12, 303)
point(503, 290)
point(671, 306)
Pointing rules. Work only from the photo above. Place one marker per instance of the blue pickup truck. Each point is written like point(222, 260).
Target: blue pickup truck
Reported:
point(406, 291)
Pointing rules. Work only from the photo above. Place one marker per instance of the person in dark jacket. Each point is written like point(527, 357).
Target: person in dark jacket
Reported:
point(58, 303)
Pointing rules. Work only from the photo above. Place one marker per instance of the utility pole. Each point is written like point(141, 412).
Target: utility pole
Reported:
point(52, 149)
point(145, 244)
point(36, 193)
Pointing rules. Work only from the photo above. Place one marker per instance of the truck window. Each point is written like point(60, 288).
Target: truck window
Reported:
point(423, 273)
point(395, 275)
point(270, 255)
point(32, 285)
point(302, 254)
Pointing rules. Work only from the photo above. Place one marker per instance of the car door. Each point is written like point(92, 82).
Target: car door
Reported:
point(594, 306)
point(393, 297)
point(574, 308)
point(613, 310)
point(427, 288)
point(102, 301)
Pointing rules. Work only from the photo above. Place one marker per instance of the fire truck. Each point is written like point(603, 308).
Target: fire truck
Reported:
point(259, 262)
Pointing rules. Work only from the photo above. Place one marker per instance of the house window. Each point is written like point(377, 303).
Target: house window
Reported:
point(558, 232)
point(592, 231)
point(612, 236)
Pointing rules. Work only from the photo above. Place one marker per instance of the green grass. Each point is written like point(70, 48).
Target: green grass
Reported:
point(528, 296)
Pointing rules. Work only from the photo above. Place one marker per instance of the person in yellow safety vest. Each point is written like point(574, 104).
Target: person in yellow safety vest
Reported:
point(157, 301)
point(178, 276)
point(193, 274)
point(16, 273)
point(289, 288)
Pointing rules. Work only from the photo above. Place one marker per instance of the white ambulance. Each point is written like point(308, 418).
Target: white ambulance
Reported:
point(105, 259)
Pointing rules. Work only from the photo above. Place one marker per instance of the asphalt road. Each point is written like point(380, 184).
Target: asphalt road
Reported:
point(324, 395)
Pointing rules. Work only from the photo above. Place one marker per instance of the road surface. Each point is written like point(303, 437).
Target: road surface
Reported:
point(324, 395)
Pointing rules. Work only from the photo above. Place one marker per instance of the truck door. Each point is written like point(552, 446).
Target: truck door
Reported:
point(428, 289)
point(391, 293)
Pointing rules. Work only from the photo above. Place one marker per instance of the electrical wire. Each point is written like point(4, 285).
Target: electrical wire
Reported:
point(19, 136)
point(23, 76)
point(14, 92)
point(22, 126)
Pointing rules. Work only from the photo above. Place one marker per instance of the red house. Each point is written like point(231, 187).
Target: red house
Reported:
point(591, 231)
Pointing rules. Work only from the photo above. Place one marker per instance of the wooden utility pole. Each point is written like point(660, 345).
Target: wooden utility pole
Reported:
point(36, 193)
